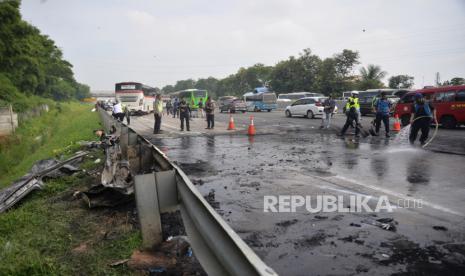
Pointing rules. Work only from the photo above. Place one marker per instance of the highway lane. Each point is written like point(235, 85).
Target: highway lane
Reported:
point(294, 157)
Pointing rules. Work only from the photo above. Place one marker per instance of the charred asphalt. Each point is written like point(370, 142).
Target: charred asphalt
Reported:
point(235, 172)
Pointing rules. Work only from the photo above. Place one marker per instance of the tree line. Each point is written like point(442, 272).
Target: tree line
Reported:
point(305, 72)
point(30, 62)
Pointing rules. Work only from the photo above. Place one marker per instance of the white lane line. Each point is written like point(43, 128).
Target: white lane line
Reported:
point(387, 192)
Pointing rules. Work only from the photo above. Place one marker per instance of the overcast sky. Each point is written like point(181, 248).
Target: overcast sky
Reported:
point(159, 42)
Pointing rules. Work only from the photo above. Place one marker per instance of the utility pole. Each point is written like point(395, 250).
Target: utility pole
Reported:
point(438, 79)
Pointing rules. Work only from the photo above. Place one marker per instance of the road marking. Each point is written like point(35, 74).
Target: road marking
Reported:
point(387, 192)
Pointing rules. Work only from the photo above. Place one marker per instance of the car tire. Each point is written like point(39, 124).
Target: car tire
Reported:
point(255, 109)
point(288, 114)
point(310, 114)
point(269, 110)
point(448, 122)
point(243, 111)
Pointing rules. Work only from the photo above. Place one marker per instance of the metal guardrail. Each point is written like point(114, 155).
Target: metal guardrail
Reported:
point(161, 186)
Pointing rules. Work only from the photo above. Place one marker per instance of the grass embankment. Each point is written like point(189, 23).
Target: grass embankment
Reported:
point(49, 135)
point(50, 232)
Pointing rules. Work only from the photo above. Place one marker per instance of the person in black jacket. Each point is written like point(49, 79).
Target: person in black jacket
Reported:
point(210, 110)
point(184, 111)
point(423, 113)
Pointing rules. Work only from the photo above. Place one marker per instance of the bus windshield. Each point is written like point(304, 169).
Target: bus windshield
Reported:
point(128, 86)
point(200, 93)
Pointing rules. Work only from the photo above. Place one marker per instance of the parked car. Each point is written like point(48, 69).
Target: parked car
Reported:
point(307, 107)
point(449, 102)
point(233, 105)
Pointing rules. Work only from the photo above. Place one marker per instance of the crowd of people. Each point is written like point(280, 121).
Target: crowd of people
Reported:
point(180, 108)
point(422, 114)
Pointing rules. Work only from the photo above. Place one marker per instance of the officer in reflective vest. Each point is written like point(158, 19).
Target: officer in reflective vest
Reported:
point(351, 110)
point(352, 101)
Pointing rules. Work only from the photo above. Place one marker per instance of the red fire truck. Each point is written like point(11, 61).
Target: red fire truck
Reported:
point(449, 102)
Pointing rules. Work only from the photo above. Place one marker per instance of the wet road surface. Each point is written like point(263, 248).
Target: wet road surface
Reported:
point(235, 172)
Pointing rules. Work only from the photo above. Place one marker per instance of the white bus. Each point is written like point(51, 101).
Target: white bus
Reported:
point(260, 99)
point(135, 96)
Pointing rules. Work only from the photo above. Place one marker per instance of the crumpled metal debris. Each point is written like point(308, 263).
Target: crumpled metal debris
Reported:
point(100, 196)
point(42, 165)
point(117, 183)
point(49, 168)
point(388, 224)
point(116, 173)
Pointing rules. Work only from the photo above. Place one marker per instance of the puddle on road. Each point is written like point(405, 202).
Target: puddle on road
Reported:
point(235, 172)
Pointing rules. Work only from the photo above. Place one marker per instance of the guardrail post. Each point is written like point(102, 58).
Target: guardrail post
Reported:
point(155, 193)
point(148, 210)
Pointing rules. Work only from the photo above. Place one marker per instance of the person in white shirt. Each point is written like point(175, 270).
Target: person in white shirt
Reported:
point(118, 111)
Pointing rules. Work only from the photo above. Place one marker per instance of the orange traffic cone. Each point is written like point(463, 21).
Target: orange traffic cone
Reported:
point(396, 126)
point(251, 127)
point(231, 123)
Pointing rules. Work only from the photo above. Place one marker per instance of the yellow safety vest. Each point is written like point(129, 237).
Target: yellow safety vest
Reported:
point(158, 106)
point(355, 103)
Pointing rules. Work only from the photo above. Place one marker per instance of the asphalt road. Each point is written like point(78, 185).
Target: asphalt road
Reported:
point(292, 156)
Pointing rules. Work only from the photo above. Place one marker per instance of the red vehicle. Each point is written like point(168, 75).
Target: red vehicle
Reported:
point(449, 102)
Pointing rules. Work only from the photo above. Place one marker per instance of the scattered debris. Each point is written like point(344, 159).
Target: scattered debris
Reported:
point(173, 257)
point(311, 241)
point(82, 248)
point(145, 260)
point(42, 170)
point(100, 196)
point(117, 183)
point(120, 262)
point(211, 199)
point(287, 223)
point(388, 224)
point(439, 228)
point(116, 173)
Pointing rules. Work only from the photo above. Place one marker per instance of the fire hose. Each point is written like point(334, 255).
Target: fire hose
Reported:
point(435, 129)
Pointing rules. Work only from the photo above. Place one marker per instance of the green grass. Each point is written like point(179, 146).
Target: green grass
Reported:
point(51, 135)
point(38, 235)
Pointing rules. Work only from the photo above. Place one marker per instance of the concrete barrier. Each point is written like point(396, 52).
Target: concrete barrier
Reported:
point(8, 120)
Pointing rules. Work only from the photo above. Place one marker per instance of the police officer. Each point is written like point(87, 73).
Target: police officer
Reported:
point(352, 115)
point(422, 114)
point(382, 108)
point(157, 113)
point(354, 99)
point(184, 111)
point(210, 110)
